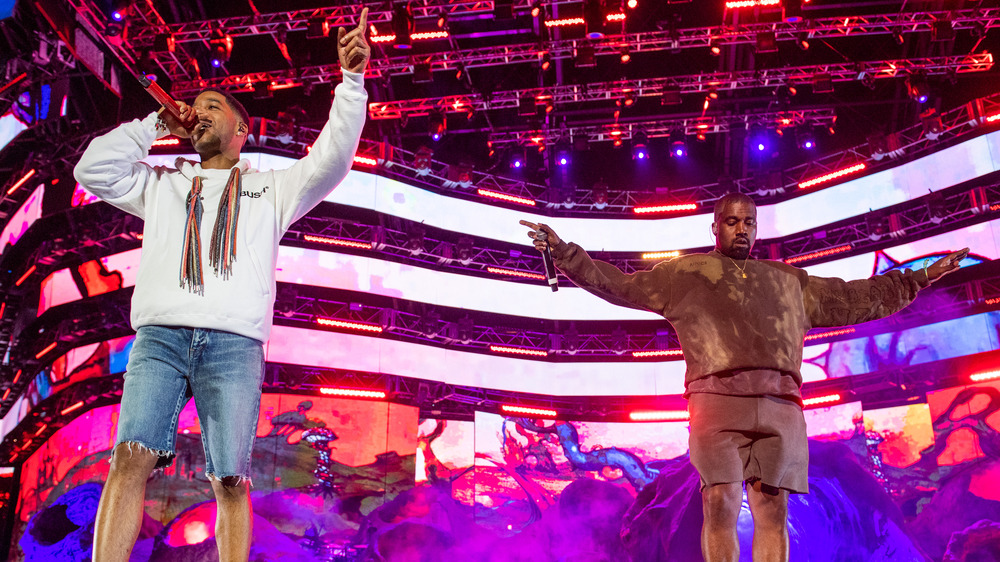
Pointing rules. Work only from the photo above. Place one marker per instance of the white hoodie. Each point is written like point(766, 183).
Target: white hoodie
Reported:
point(271, 201)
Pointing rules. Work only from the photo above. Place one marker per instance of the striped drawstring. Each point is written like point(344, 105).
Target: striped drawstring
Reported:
point(222, 248)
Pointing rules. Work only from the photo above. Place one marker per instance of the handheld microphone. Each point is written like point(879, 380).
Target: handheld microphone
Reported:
point(154, 89)
point(550, 266)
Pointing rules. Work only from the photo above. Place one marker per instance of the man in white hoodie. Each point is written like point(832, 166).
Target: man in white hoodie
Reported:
point(200, 333)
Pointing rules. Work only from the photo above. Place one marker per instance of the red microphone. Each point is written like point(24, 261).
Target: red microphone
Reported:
point(166, 101)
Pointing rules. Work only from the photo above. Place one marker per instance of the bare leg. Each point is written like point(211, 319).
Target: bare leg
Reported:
point(119, 515)
point(721, 506)
point(233, 522)
point(769, 507)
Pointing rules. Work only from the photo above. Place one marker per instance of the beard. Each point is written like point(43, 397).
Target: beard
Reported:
point(737, 251)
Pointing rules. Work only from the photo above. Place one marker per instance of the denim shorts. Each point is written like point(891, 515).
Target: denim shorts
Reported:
point(222, 371)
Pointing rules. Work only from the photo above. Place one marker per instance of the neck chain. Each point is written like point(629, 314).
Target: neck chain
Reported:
point(745, 262)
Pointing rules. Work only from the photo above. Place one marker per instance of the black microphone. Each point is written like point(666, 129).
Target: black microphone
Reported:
point(550, 266)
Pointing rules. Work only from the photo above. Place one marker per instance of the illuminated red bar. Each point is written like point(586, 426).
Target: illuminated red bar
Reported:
point(662, 415)
point(988, 301)
point(825, 399)
point(540, 412)
point(505, 197)
point(16, 79)
point(357, 326)
point(17, 376)
point(423, 35)
point(819, 254)
point(25, 276)
point(736, 4)
point(338, 242)
point(659, 353)
point(518, 350)
point(993, 118)
point(47, 349)
point(832, 175)
point(41, 429)
point(985, 376)
point(661, 255)
point(365, 160)
point(564, 22)
point(830, 334)
point(169, 141)
point(353, 392)
point(21, 181)
point(6, 393)
point(665, 208)
point(515, 273)
point(3, 307)
point(72, 408)
point(616, 17)
point(383, 38)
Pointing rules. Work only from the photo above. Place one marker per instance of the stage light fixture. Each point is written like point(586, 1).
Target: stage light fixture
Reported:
point(549, 106)
point(464, 253)
point(713, 92)
point(415, 241)
point(678, 145)
point(545, 60)
point(917, 87)
point(802, 41)
point(221, 44)
point(825, 399)
point(791, 11)
point(437, 125)
point(822, 83)
point(658, 415)
point(933, 126)
point(317, 28)
point(403, 25)
point(536, 412)
point(518, 159)
point(671, 96)
point(599, 195)
point(164, 43)
point(833, 175)
point(632, 4)
point(806, 139)
point(625, 57)
point(562, 157)
point(639, 150)
point(536, 8)
point(628, 98)
point(897, 36)
point(442, 21)
point(593, 17)
point(526, 106)
point(767, 42)
point(715, 47)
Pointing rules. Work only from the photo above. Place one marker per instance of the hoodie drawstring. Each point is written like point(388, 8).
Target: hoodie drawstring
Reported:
point(222, 248)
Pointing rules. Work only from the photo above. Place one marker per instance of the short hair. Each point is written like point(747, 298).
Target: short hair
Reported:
point(232, 102)
point(731, 197)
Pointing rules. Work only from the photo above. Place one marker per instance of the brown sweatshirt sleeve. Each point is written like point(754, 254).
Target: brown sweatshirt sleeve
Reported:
point(830, 301)
point(649, 290)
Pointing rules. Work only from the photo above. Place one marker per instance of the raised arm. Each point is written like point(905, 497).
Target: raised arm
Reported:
point(830, 301)
point(302, 186)
point(648, 290)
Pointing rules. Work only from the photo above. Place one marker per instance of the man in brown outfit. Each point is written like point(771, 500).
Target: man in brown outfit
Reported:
point(741, 323)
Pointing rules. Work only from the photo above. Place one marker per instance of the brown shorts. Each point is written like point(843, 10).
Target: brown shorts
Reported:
point(749, 438)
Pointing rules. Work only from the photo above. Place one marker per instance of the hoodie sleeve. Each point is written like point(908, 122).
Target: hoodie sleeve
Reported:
point(302, 186)
point(110, 167)
point(648, 290)
point(830, 301)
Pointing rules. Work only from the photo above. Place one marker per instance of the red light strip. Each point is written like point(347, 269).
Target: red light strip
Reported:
point(3, 307)
point(662, 353)
point(826, 399)
point(518, 350)
point(665, 208)
point(16, 79)
point(47, 349)
point(993, 118)
point(832, 175)
point(353, 392)
point(985, 376)
point(359, 326)
point(528, 411)
point(6, 393)
point(819, 254)
point(170, 141)
point(995, 207)
point(365, 160)
point(25, 276)
point(736, 4)
point(664, 415)
point(505, 197)
point(515, 273)
point(565, 21)
point(829, 334)
point(338, 242)
point(616, 17)
point(69, 409)
point(660, 255)
point(16, 377)
point(41, 429)
point(21, 181)
point(988, 301)
point(383, 38)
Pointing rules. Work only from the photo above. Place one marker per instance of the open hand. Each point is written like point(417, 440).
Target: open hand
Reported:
point(551, 239)
point(946, 264)
point(352, 48)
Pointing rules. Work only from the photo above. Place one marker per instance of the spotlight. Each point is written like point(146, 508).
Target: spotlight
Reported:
point(600, 195)
point(164, 43)
point(562, 157)
point(933, 127)
point(791, 10)
point(536, 9)
point(628, 99)
point(593, 16)
point(715, 47)
point(678, 145)
point(436, 126)
point(442, 20)
point(546, 60)
point(917, 87)
point(713, 92)
point(639, 150)
point(632, 4)
point(671, 96)
point(897, 36)
point(549, 106)
point(806, 139)
point(518, 158)
point(625, 55)
point(802, 40)
point(464, 250)
point(402, 24)
point(221, 44)
point(119, 9)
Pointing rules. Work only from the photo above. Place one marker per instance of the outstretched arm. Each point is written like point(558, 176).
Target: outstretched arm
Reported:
point(647, 290)
point(303, 185)
point(830, 301)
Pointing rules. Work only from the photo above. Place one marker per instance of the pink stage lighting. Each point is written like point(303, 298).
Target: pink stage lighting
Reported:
point(832, 176)
point(825, 399)
point(518, 350)
point(349, 325)
point(365, 160)
point(353, 392)
point(536, 412)
point(819, 254)
point(659, 353)
point(661, 415)
point(505, 197)
point(21, 181)
point(515, 273)
point(338, 242)
point(829, 334)
point(985, 376)
point(665, 208)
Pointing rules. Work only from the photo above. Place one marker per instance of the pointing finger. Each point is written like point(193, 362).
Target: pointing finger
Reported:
point(364, 20)
point(530, 225)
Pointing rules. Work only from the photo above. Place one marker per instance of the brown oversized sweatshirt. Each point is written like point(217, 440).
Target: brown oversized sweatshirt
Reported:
point(741, 335)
